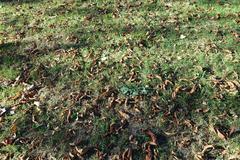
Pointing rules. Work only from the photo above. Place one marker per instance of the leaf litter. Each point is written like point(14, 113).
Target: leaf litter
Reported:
point(96, 83)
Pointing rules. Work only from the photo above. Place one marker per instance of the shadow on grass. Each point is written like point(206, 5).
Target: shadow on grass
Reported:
point(9, 55)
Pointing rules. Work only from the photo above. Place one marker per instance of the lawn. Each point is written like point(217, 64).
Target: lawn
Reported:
point(124, 79)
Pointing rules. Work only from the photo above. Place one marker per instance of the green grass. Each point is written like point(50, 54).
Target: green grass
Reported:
point(172, 66)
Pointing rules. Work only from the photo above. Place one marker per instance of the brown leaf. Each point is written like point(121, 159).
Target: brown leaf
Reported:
point(68, 115)
point(185, 142)
point(7, 141)
point(166, 82)
point(202, 110)
point(175, 118)
point(84, 151)
point(127, 154)
point(194, 88)
point(113, 128)
point(198, 157)
point(175, 92)
point(233, 131)
point(124, 114)
point(149, 152)
point(158, 77)
point(234, 157)
point(153, 137)
point(188, 123)
point(207, 148)
point(220, 134)
point(169, 134)
point(17, 96)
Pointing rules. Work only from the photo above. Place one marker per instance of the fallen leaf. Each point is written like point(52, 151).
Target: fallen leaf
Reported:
point(188, 123)
point(234, 157)
point(194, 88)
point(207, 148)
point(185, 142)
point(153, 137)
point(233, 131)
point(7, 141)
point(37, 103)
point(202, 110)
point(198, 156)
point(124, 115)
point(84, 151)
point(2, 111)
point(220, 134)
point(169, 133)
point(127, 154)
point(113, 128)
point(68, 114)
point(149, 152)
point(175, 92)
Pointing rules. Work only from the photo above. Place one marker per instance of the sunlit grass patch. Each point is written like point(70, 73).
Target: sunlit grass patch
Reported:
point(8, 73)
point(7, 93)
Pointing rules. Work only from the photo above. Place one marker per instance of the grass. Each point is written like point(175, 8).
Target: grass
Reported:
point(70, 69)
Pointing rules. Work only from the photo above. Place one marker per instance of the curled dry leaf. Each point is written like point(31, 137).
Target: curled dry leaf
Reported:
point(153, 137)
point(194, 88)
point(127, 154)
point(115, 128)
point(149, 152)
point(175, 92)
point(124, 115)
point(169, 134)
point(7, 141)
point(167, 82)
point(207, 148)
point(233, 131)
point(198, 157)
point(2, 111)
point(84, 151)
point(185, 142)
point(202, 110)
point(220, 134)
point(188, 123)
point(175, 118)
point(235, 156)
point(68, 115)
point(158, 77)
